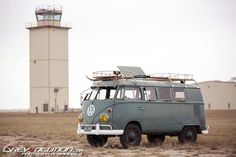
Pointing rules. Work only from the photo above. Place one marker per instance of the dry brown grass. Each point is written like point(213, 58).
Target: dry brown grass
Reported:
point(60, 130)
point(46, 126)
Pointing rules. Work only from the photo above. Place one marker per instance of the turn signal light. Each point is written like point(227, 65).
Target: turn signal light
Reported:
point(104, 118)
point(80, 118)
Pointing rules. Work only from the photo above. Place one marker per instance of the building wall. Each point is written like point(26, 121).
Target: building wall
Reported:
point(38, 96)
point(48, 68)
point(219, 94)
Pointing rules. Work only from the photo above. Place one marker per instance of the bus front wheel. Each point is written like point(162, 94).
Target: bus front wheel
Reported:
point(131, 137)
point(188, 135)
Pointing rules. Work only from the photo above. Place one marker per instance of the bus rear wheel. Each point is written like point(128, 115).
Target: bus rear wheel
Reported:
point(188, 135)
point(156, 139)
point(131, 137)
point(97, 140)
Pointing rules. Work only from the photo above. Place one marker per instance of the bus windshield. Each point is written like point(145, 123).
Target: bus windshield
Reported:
point(101, 93)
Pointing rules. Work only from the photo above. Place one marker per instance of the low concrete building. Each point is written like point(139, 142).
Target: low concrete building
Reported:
point(219, 94)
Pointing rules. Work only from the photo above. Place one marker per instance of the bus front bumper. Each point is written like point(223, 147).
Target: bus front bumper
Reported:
point(205, 132)
point(95, 129)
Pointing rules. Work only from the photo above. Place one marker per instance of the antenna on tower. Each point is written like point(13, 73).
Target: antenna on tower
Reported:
point(53, 3)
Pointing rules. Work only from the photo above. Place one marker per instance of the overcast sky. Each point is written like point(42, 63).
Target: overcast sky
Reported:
point(178, 36)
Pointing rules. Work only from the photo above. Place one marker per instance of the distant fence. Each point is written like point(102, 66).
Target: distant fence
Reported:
point(76, 110)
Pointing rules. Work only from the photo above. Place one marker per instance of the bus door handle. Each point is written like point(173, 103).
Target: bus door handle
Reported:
point(141, 108)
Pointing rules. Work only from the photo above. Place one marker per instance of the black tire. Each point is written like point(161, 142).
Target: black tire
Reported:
point(131, 137)
point(156, 139)
point(97, 140)
point(188, 135)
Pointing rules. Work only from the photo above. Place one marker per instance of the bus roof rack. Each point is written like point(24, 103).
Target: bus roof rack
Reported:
point(137, 73)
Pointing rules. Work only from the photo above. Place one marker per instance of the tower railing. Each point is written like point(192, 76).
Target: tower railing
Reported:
point(48, 7)
point(35, 24)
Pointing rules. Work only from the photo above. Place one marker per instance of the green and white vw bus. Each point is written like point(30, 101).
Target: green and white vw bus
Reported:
point(128, 103)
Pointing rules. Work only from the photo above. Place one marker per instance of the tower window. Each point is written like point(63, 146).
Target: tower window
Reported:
point(48, 16)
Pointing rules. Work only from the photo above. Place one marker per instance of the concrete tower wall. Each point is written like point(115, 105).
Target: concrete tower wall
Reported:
point(48, 69)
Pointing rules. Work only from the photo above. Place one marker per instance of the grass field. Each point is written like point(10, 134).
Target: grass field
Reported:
point(60, 130)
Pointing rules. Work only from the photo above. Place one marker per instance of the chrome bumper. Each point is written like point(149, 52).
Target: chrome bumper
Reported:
point(205, 132)
point(97, 130)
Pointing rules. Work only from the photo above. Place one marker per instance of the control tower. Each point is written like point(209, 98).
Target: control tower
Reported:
point(48, 61)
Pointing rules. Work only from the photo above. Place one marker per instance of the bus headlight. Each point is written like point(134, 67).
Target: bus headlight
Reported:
point(80, 118)
point(104, 118)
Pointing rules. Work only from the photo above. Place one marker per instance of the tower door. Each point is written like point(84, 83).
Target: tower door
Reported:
point(45, 107)
point(65, 108)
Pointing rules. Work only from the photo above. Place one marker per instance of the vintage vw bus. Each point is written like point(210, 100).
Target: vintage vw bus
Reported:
point(128, 103)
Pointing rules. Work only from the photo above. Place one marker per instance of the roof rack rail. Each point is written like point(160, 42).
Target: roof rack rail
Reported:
point(107, 76)
point(172, 77)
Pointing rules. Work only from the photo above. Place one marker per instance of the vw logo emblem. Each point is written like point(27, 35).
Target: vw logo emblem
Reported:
point(90, 110)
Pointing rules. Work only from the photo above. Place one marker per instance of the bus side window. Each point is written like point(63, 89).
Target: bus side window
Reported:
point(120, 94)
point(179, 94)
point(111, 93)
point(131, 93)
point(150, 93)
point(165, 93)
point(101, 95)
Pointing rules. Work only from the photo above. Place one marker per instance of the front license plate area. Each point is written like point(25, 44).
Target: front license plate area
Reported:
point(87, 128)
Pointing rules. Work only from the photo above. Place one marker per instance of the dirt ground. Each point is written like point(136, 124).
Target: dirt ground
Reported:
point(55, 130)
